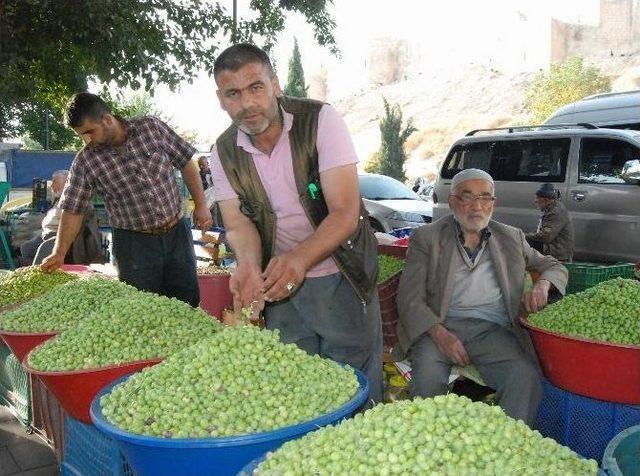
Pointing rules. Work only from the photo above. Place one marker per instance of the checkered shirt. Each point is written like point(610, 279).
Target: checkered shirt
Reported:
point(135, 180)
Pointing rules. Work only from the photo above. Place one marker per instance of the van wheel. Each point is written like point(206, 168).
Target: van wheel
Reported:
point(375, 224)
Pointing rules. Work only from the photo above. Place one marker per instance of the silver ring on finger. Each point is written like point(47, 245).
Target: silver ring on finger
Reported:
point(291, 286)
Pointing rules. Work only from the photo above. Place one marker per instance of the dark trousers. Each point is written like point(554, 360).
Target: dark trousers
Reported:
point(326, 317)
point(163, 264)
point(536, 244)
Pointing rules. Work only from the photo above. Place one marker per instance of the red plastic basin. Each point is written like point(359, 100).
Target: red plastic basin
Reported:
point(608, 372)
point(393, 250)
point(75, 389)
point(215, 296)
point(21, 343)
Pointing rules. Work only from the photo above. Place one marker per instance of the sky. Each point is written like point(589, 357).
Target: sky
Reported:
point(511, 34)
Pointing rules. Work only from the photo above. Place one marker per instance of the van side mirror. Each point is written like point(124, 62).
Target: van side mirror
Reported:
point(631, 171)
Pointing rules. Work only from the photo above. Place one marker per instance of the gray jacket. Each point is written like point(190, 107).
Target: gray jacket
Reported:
point(427, 282)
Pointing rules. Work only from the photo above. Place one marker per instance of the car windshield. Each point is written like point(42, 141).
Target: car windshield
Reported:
point(380, 187)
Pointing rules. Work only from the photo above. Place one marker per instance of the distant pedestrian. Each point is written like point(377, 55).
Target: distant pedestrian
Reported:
point(554, 235)
point(205, 172)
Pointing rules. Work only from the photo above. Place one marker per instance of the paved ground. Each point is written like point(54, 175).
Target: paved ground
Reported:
point(22, 454)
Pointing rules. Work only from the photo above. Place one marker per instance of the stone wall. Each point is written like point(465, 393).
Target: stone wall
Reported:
point(318, 87)
point(617, 35)
point(388, 61)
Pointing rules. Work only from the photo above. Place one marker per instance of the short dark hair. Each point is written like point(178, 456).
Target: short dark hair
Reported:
point(83, 106)
point(238, 55)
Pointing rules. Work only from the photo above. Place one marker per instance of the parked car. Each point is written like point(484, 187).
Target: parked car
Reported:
point(595, 170)
point(423, 188)
point(391, 204)
point(612, 110)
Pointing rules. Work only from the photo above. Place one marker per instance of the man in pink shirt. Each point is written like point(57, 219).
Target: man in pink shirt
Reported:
point(285, 178)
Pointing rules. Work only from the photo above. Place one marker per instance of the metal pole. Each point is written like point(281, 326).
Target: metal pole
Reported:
point(234, 31)
point(46, 129)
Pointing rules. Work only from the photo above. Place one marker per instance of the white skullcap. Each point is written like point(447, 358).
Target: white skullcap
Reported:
point(470, 174)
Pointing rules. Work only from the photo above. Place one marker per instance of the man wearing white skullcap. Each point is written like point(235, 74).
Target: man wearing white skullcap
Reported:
point(460, 296)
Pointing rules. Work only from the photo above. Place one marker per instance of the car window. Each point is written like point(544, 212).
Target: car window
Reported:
point(468, 156)
point(531, 160)
point(543, 160)
point(384, 188)
point(631, 126)
point(601, 160)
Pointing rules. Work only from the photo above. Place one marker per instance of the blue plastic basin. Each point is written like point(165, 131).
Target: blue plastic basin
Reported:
point(622, 456)
point(154, 456)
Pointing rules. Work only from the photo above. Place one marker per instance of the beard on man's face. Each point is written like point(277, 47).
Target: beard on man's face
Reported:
point(472, 221)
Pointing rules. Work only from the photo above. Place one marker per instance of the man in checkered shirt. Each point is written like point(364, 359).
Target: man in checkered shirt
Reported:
point(130, 164)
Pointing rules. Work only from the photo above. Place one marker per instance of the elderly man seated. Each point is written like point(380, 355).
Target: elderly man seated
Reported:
point(85, 249)
point(50, 221)
point(460, 296)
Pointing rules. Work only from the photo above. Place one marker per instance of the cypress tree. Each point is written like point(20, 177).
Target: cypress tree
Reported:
point(390, 159)
point(295, 79)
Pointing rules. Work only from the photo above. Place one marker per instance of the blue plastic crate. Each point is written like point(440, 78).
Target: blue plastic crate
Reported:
point(583, 424)
point(90, 452)
point(15, 388)
point(401, 232)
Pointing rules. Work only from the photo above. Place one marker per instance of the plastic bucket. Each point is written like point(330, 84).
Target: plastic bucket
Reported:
point(215, 296)
point(155, 456)
point(622, 456)
point(608, 372)
point(75, 389)
point(21, 343)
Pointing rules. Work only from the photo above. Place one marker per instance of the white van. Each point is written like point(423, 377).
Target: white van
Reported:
point(612, 111)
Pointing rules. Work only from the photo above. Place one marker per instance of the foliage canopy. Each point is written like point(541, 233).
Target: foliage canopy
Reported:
point(563, 84)
point(51, 49)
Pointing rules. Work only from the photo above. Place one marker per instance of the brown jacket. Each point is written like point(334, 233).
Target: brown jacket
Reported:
point(426, 284)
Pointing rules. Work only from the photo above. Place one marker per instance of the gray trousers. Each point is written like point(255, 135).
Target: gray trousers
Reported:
point(324, 316)
point(495, 352)
point(29, 249)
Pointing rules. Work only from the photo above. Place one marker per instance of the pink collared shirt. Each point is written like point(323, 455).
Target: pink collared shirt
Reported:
point(335, 149)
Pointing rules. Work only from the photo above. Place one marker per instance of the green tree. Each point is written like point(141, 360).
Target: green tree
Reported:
point(35, 121)
point(50, 49)
point(140, 104)
point(563, 84)
point(390, 158)
point(295, 78)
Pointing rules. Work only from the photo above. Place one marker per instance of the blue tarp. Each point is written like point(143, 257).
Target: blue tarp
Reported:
point(25, 165)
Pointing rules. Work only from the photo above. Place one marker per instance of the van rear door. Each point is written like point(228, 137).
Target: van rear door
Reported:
point(604, 208)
